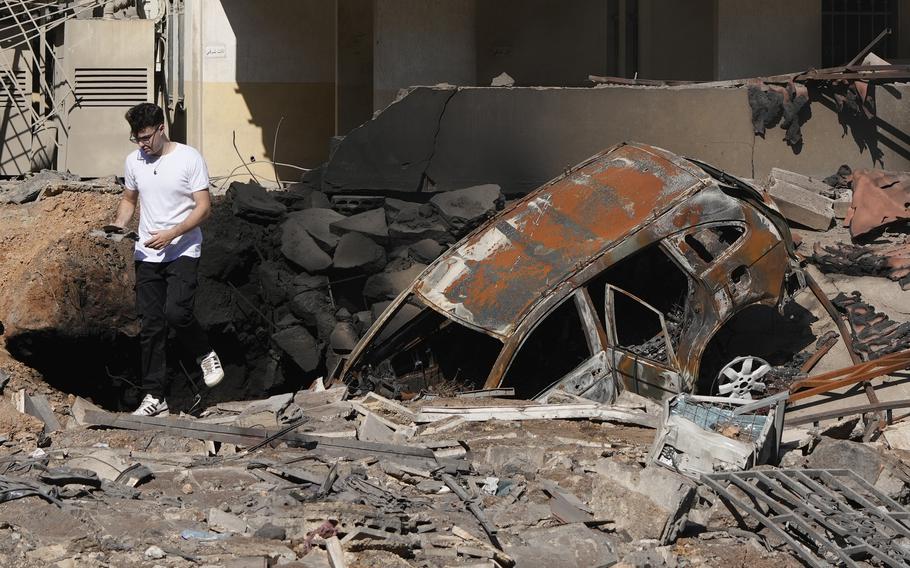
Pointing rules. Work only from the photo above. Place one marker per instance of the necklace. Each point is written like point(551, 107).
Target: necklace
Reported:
point(159, 160)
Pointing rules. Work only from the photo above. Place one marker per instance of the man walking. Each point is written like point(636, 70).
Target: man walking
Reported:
point(170, 183)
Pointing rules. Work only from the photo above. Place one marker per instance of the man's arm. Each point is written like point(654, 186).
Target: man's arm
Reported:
point(126, 208)
point(201, 212)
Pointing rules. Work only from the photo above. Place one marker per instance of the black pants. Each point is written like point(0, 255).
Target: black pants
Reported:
point(165, 297)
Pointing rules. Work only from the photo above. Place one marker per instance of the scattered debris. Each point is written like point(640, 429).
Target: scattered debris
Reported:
point(879, 198)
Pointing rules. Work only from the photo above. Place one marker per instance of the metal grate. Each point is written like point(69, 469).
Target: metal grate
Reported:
point(111, 87)
point(828, 517)
point(849, 25)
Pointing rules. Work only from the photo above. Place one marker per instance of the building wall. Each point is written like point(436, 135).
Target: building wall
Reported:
point(771, 37)
point(676, 40)
point(354, 104)
point(522, 137)
point(422, 42)
point(252, 63)
point(541, 42)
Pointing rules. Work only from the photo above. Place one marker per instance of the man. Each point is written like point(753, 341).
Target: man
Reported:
point(170, 182)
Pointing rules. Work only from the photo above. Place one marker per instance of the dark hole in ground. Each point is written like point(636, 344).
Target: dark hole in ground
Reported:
point(104, 368)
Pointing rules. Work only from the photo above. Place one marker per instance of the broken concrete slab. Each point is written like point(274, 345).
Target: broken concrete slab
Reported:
point(369, 223)
point(387, 285)
point(302, 347)
point(308, 306)
point(563, 546)
point(223, 522)
point(464, 209)
point(425, 250)
point(801, 205)
point(885, 473)
point(300, 248)
point(815, 185)
point(344, 337)
point(252, 202)
point(317, 221)
point(358, 252)
point(308, 398)
point(392, 151)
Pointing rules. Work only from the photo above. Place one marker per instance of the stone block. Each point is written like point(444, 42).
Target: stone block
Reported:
point(300, 346)
point(358, 252)
point(464, 209)
point(252, 202)
point(299, 247)
point(370, 223)
point(425, 250)
point(317, 221)
point(387, 285)
point(801, 205)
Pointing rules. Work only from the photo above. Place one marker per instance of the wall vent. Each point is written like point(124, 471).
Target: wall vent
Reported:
point(20, 90)
point(111, 87)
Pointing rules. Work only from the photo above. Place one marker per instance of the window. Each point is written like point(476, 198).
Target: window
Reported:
point(652, 276)
point(639, 328)
point(553, 349)
point(420, 349)
point(850, 25)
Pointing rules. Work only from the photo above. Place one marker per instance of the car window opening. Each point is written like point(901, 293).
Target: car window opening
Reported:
point(420, 349)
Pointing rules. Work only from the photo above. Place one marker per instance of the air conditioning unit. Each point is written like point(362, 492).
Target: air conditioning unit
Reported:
point(109, 66)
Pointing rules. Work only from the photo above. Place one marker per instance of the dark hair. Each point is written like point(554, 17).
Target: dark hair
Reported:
point(144, 115)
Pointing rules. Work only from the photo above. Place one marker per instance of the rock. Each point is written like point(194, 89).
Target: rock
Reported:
point(801, 205)
point(371, 223)
point(387, 285)
point(358, 252)
point(362, 321)
point(398, 156)
point(325, 325)
point(650, 502)
point(298, 197)
point(252, 202)
point(426, 250)
point(317, 222)
point(29, 188)
point(154, 553)
point(224, 522)
point(304, 282)
point(884, 472)
point(412, 222)
point(276, 282)
point(343, 338)
point(307, 305)
point(269, 531)
point(561, 546)
point(226, 258)
point(302, 348)
point(377, 309)
point(464, 209)
point(299, 247)
point(502, 80)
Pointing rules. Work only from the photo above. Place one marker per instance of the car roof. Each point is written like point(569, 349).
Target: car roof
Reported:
point(494, 277)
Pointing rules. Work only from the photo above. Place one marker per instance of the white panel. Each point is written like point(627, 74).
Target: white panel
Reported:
point(110, 64)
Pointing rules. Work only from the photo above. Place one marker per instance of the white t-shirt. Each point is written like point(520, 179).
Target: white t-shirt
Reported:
point(166, 185)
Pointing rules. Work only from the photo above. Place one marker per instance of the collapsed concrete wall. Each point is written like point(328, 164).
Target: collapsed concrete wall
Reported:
point(441, 138)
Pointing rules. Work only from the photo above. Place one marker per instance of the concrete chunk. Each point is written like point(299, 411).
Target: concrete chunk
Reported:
point(370, 223)
point(426, 250)
point(317, 221)
point(808, 183)
point(300, 346)
point(387, 285)
point(465, 208)
point(299, 247)
point(356, 251)
point(252, 202)
point(801, 205)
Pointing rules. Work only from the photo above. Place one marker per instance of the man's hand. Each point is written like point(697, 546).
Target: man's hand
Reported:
point(160, 239)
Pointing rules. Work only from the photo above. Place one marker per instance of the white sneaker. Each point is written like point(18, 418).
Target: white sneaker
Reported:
point(151, 406)
point(212, 373)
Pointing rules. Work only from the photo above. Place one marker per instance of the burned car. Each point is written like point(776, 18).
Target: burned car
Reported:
point(615, 275)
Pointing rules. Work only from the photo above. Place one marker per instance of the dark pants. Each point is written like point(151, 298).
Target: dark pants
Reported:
point(165, 296)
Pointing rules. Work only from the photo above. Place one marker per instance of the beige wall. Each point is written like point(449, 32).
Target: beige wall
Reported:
point(252, 63)
point(764, 38)
point(422, 42)
point(676, 40)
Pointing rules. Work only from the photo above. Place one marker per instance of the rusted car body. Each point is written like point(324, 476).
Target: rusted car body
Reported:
point(614, 275)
